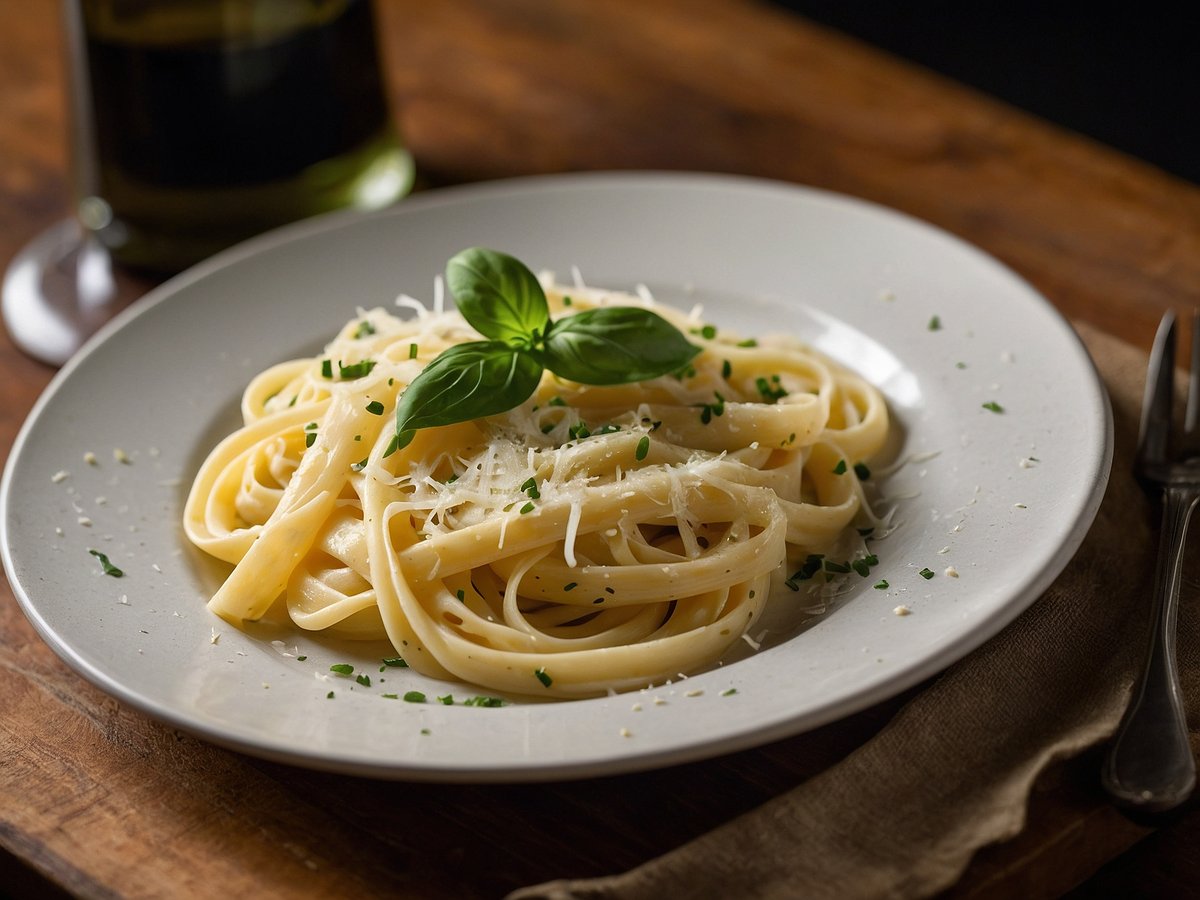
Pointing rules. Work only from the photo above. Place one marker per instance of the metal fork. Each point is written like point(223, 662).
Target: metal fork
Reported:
point(1149, 767)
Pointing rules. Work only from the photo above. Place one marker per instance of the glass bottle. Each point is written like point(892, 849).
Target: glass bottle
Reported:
point(199, 123)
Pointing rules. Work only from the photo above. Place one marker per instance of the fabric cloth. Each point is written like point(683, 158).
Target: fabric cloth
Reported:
point(952, 772)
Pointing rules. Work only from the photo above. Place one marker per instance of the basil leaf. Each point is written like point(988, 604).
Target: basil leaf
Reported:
point(498, 295)
point(467, 381)
point(615, 345)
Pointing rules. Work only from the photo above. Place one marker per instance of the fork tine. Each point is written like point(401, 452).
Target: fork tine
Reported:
point(1155, 434)
point(1192, 414)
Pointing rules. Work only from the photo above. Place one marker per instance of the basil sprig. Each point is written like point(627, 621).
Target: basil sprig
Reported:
point(503, 300)
point(499, 296)
point(467, 381)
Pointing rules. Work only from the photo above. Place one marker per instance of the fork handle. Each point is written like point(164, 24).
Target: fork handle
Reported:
point(1150, 767)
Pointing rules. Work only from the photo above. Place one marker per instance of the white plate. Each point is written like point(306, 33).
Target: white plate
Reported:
point(862, 283)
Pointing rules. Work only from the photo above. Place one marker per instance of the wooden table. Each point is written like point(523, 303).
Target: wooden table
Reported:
point(97, 800)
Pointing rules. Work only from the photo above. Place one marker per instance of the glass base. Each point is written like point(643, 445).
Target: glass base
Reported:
point(58, 290)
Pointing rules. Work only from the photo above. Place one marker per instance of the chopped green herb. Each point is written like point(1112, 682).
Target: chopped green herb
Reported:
point(326, 368)
point(528, 508)
point(530, 488)
point(726, 369)
point(935, 324)
point(687, 371)
point(310, 438)
point(360, 465)
point(375, 408)
point(364, 680)
point(412, 351)
point(882, 585)
point(547, 428)
point(837, 568)
point(748, 342)
point(342, 668)
point(461, 595)
point(960, 365)
point(556, 401)
point(301, 658)
point(771, 390)
point(483, 701)
point(861, 470)
point(579, 430)
point(728, 692)
point(840, 468)
point(390, 696)
point(566, 300)
point(811, 566)
point(329, 696)
point(993, 406)
point(414, 697)
point(643, 447)
point(570, 586)
point(426, 731)
point(355, 370)
point(365, 329)
point(926, 574)
point(105, 566)
point(543, 676)
point(708, 410)
point(447, 700)
point(861, 567)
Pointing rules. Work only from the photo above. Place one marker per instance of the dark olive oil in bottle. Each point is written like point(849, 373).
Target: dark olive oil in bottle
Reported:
point(208, 121)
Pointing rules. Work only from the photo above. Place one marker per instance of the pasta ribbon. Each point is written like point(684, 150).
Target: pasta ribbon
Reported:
point(592, 539)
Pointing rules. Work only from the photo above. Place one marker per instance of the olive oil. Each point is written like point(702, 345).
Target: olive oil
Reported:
point(208, 121)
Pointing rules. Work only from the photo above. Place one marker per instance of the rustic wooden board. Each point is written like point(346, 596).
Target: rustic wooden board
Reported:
point(104, 802)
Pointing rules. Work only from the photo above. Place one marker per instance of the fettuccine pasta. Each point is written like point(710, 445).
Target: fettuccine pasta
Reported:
point(592, 539)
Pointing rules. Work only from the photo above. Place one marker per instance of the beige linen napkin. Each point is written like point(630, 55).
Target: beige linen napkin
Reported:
point(952, 772)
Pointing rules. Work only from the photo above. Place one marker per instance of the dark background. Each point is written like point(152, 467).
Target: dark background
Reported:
point(1125, 74)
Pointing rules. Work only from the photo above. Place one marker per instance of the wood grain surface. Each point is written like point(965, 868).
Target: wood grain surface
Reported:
point(98, 801)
